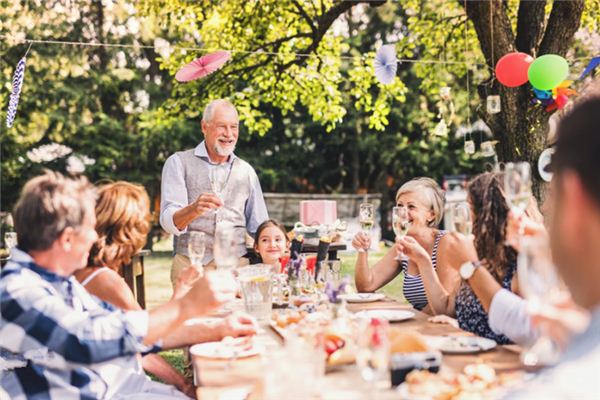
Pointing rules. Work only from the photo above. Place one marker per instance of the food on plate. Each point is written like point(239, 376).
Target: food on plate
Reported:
point(339, 349)
point(478, 381)
point(402, 341)
point(288, 317)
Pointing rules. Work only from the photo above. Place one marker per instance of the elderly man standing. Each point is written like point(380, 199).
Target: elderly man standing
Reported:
point(189, 202)
point(74, 346)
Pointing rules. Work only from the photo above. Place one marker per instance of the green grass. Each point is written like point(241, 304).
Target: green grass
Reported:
point(157, 268)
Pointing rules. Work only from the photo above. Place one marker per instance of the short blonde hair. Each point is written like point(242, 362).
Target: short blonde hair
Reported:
point(433, 193)
point(122, 224)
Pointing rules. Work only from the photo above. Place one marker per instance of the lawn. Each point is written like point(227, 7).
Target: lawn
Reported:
point(158, 283)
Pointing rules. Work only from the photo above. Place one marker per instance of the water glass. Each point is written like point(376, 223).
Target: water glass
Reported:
point(196, 247)
point(373, 353)
point(257, 291)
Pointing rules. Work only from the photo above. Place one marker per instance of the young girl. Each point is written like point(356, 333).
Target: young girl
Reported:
point(271, 243)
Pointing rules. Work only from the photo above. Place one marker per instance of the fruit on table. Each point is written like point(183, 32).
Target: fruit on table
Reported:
point(333, 343)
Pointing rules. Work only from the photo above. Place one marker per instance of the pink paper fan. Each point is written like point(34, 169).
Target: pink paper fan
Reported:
point(202, 66)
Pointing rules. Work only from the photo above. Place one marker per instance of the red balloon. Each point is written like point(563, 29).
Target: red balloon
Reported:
point(511, 69)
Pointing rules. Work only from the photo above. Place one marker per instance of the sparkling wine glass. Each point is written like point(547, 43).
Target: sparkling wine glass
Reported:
point(196, 247)
point(366, 219)
point(373, 353)
point(461, 217)
point(224, 246)
point(540, 285)
point(218, 178)
point(517, 185)
point(401, 225)
point(10, 240)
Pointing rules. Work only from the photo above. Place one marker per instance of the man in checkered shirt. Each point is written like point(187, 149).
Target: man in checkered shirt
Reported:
point(71, 344)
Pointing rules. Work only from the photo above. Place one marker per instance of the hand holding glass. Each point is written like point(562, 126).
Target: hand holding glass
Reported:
point(517, 185)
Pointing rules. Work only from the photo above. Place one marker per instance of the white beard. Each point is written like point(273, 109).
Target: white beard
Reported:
point(223, 152)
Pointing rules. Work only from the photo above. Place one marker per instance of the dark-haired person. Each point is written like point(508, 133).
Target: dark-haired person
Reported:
point(271, 242)
point(76, 346)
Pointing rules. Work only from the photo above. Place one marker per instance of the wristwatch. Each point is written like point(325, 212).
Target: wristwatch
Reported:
point(468, 269)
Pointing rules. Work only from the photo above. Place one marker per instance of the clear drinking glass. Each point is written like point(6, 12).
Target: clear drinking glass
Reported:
point(257, 291)
point(366, 218)
point(540, 285)
point(373, 353)
point(223, 247)
point(196, 248)
point(461, 218)
point(401, 225)
point(218, 177)
point(517, 185)
point(10, 240)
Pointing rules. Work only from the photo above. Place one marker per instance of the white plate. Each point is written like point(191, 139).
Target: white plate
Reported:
point(389, 314)
point(362, 297)
point(460, 344)
point(224, 351)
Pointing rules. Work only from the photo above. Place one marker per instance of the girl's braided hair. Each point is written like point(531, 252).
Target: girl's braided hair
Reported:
point(486, 193)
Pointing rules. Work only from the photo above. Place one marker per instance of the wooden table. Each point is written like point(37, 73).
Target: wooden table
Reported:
point(218, 378)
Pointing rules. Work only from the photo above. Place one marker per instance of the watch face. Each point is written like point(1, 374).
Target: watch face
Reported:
point(466, 270)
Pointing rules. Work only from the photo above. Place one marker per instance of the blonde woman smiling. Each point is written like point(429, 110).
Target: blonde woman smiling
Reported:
point(430, 282)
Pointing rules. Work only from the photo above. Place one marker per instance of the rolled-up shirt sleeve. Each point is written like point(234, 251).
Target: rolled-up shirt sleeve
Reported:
point(256, 209)
point(173, 194)
point(33, 318)
point(508, 315)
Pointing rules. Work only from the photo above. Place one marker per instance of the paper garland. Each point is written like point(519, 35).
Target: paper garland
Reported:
point(16, 92)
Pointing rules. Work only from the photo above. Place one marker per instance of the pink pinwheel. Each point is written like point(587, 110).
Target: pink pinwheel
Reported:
point(202, 66)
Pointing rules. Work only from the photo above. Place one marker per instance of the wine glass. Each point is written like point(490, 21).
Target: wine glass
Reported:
point(517, 185)
point(540, 285)
point(373, 353)
point(217, 177)
point(223, 247)
point(10, 240)
point(366, 219)
point(196, 248)
point(401, 225)
point(461, 218)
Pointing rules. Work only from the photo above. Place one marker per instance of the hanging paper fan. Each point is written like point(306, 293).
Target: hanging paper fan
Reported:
point(16, 92)
point(202, 66)
point(385, 64)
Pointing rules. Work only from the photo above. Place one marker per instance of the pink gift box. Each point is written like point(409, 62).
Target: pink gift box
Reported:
point(318, 212)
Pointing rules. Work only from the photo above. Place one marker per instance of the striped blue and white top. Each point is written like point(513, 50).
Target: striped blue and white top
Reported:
point(413, 288)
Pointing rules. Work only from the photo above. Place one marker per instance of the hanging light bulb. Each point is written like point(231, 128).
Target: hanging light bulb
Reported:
point(493, 105)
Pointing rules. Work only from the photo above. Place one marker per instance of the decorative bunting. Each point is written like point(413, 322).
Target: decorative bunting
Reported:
point(16, 92)
point(386, 64)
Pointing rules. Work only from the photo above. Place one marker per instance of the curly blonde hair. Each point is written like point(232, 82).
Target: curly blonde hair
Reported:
point(122, 224)
point(486, 193)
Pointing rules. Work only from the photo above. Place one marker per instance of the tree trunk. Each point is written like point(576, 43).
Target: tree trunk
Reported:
point(520, 127)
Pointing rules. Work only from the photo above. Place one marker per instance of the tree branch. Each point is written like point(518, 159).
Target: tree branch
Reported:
point(303, 14)
point(530, 25)
point(564, 21)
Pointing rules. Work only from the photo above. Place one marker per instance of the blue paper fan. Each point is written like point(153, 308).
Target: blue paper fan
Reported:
point(385, 64)
point(16, 91)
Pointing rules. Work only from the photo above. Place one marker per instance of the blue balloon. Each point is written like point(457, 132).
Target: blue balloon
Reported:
point(542, 94)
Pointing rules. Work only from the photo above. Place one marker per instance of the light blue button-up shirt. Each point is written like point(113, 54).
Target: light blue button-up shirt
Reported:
point(174, 193)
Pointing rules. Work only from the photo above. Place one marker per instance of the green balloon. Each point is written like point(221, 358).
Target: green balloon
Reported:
point(548, 71)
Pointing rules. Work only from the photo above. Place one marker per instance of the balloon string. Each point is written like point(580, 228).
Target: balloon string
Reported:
point(467, 66)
